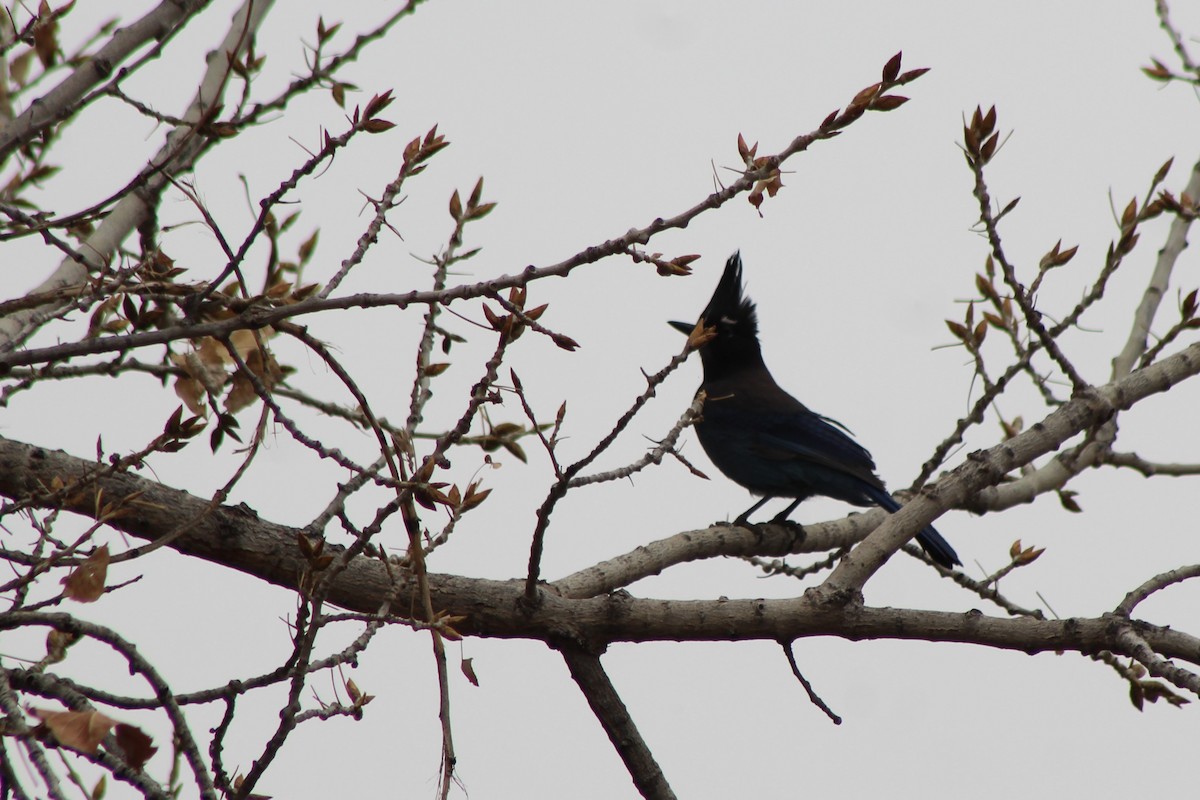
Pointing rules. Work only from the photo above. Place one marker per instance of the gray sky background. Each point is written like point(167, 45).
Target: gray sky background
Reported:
point(587, 120)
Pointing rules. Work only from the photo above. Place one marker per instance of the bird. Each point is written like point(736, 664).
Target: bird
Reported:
point(762, 438)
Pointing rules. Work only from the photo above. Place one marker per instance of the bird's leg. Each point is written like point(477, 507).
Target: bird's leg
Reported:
point(743, 518)
point(782, 517)
point(794, 528)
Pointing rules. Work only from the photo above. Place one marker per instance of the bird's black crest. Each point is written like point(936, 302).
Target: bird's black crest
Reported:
point(729, 309)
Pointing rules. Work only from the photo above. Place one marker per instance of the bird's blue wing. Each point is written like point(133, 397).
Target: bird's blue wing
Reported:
point(813, 440)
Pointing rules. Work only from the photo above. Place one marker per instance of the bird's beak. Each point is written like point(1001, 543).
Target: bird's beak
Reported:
point(683, 327)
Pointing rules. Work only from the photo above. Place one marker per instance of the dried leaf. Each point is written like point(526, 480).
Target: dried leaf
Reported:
point(469, 671)
point(191, 392)
point(79, 730)
point(357, 696)
point(137, 746)
point(241, 393)
point(959, 330)
point(85, 584)
point(57, 643)
point(473, 498)
point(45, 35)
point(1067, 498)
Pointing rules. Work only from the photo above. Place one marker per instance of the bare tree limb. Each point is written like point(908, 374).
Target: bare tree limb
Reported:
point(606, 704)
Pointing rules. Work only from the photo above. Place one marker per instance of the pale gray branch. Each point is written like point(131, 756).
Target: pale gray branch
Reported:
point(178, 154)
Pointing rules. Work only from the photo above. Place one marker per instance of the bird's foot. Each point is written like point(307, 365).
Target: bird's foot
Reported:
point(761, 529)
point(784, 522)
point(794, 529)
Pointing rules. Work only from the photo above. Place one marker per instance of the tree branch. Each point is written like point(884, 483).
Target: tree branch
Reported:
point(606, 704)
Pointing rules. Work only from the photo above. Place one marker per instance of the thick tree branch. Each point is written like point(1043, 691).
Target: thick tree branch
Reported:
point(235, 537)
point(62, 101)
point(983, 470)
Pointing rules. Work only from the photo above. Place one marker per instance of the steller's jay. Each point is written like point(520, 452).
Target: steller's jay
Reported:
point(761, 437)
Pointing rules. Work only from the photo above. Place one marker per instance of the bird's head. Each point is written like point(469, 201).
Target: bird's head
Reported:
point(732, 316)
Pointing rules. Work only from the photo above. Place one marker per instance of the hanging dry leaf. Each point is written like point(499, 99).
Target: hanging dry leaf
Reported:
point(191, 392)
point(357, 696)
point(85, 584)
point(469, 671)
point(57, 643)
point(137, 746)
point(79, 730)
point(45, 35)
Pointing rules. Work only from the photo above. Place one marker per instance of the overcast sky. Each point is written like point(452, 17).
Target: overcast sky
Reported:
point(589, 119)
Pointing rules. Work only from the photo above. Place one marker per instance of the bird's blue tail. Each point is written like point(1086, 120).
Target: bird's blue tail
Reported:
point(935, 546)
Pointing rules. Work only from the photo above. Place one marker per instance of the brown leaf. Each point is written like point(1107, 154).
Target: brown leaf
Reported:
point(278, 289)
point(980, 333)
point(137, 746)
point(45, 35)
point(1155, 691)
point(57, 643)
point(495, 320)
point(79, 730)
point(1158, 72)
point(565, 342)
point(888, 102)
point(1135, 694)
point(191, 392)
point(892, 68)
point(1130, 213)
point(241, 393)
point(958, 329)
point(377, 125)
point(85, 584)
point(473, 498)
point(1029, 555)
point(378, 103)
point(244, 342)
point(19, 68)
point(1163, 170)
point(1188, 307)
point(515, 449)
point(469, 671)
point(1067, 498)
point(866, 95)
point(476, 194)
point(743, 150)
point(357, 696)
